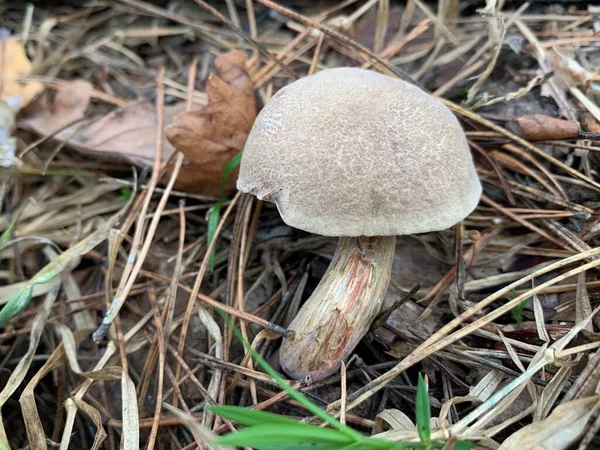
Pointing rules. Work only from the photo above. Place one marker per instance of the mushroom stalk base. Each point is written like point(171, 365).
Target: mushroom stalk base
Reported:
point(341, 309)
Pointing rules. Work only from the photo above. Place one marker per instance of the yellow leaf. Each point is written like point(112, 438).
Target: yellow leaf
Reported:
point(16, 93)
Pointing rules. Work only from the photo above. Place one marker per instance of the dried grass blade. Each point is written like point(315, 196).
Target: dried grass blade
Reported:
point(200, 432)
point(383, 16)
point(497, 31)
point(81, 390)
point(96, 418)
point(440, 340)
point(564, 427)
point(552, 391)
point(215, 382)
point(532, 148)
point(35, 430)
point(19, 373)
point(583, 308)
point(21, 299)
point(129, 410)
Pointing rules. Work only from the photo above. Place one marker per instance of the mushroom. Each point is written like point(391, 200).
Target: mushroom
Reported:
point(364, 157)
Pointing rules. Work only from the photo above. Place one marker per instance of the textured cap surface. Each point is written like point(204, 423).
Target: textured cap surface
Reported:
point(351, 152)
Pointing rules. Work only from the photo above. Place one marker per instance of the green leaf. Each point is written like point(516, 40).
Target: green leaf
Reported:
point(423, 412)
point(250, 417)
point(464, 445)
point(125, 194)
point(253, 418)
point(230, 167)
point(517, 311)
point(213, 222)
point(16, 304)
point(287, 437)
point(295, 395)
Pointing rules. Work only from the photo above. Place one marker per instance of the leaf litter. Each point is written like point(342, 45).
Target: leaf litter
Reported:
point(211, 136)
point(80, 230)
point(127, 133)
point(16, 65)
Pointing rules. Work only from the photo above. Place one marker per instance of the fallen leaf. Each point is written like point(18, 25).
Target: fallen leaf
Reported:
point(16, 64)
point(567, 71)
point(69, 105)
point(560, 430)
point(209, 137)
point(127, 133)
point(539, 127)
point(589, 122)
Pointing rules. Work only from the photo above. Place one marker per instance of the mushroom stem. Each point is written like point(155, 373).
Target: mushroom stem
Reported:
point(341, 309)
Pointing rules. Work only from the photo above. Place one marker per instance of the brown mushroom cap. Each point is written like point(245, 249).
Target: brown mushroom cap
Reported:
point(351, 152)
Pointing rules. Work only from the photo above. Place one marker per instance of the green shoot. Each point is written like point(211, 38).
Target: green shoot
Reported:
point(423, 412)
point(307, 404)
point(517, 311)
point(268, 431)
point(213, 222)
point(230, 167)
point(125, 193)
point(215, 213)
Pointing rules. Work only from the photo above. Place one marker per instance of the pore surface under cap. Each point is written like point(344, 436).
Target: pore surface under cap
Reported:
point(351, 152)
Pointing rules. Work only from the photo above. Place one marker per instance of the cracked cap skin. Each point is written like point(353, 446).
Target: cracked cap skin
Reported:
point(351, 152)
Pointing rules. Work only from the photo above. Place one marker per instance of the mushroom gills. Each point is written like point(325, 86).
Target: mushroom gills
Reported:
point(341, 309)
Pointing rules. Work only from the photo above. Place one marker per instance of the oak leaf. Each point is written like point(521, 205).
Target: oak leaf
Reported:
point(211, 136)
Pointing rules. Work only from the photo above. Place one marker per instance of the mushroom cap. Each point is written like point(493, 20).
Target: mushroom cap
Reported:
point(351, 152)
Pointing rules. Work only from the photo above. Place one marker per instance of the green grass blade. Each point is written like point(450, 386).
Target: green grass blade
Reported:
point(13, 223)
point(125, 194)
point(423, 412)
point(250, 417)
point(464, 445)
point(517, 311)
point(380, 444)
point(286, 437)
point(295, 395)
point(213, 222)
point(16, 304)
point(230, 167)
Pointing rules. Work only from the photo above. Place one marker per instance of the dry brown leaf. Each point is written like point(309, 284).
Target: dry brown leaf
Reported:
point(16, 64)
point(126, 133)
point(539, 127)
point(211, 136)
point(560, 430)
point(567, 71)
point(589, 123)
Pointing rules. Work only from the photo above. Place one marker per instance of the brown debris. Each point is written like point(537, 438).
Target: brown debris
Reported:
point(538, 127)
point(211, 136)
point(15, 92)
point(127, 133)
